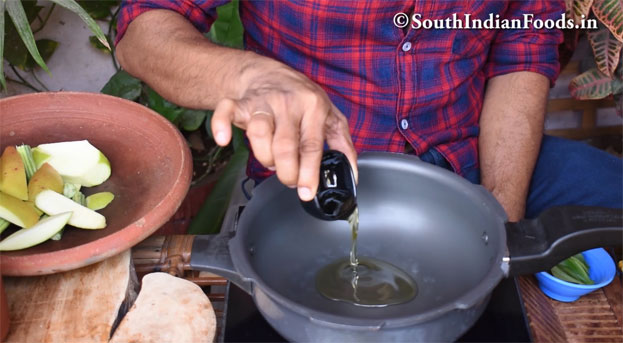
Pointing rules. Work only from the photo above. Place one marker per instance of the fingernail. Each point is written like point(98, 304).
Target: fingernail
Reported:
point(305, 193)
point(271, 168)
point(220, 137)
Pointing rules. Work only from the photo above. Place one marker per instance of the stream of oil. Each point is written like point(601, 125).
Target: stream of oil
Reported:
point(364, 281)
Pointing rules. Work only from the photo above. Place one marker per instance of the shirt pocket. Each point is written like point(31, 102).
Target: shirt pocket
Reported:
point(474, 43)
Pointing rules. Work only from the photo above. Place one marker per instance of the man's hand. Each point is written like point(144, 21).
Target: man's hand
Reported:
point(287, 116)
point(511, 129)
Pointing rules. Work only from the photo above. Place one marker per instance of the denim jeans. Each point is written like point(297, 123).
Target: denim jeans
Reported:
point(566, 173)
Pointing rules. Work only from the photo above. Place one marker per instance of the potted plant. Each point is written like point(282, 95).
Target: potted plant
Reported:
point(606, 79)
point(215, 168)
point(17, 43)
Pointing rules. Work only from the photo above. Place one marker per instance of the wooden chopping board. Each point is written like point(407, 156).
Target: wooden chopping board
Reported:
point(76, 306)
point(595, 317)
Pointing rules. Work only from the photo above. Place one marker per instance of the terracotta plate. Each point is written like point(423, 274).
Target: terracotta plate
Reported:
point(151, 172)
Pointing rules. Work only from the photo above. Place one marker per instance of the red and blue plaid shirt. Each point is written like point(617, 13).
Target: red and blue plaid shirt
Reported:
point(421, 87)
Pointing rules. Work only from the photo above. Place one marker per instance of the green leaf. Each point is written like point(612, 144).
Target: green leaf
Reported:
point(238, 139)
point(593, 84)
point(618, 96)
point(617, 86)
point(191, 119)
point(123, 85)
point(210, 216)
point(159, 104)
point(74, 7)
point(46, 48)
point(99, 9)
point(208, 123)
point(2, 80)
point(18, 16)
point(32, 10)
point(98, 45)
point(610, 13)
point(579, 8)
point(569, 8)
point(606, 50)
point(15, 52)
point(227, 29)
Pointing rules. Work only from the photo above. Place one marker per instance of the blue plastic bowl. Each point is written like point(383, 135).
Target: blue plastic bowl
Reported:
point(601, 270)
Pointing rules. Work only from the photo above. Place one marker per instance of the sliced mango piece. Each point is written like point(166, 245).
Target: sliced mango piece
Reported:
point(13, 174)
point(32, 204)
point(17, 212)
point(39, 157)
point(45, 177)
point(53, 203)
point(77, 161)
point(99, 200)
point(39, 233)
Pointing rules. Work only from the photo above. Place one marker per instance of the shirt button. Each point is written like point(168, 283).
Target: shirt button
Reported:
point(406, 46)
point(404, 124)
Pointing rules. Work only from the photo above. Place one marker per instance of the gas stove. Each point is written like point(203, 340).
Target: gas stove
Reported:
point(503, 320)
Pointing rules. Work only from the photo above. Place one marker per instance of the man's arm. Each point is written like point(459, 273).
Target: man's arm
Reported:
point(164, 49)
point(520, 67)
point(287, 116)
point(511, 128)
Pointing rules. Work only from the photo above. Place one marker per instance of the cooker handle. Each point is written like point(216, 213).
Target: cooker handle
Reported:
point(211, 253)
point(538, 244)
point(348, 324)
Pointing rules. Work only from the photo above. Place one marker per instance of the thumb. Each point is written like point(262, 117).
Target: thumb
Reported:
point(222, 120)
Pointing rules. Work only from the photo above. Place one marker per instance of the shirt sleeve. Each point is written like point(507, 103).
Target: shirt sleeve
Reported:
point(201, 13)
point(530, 48)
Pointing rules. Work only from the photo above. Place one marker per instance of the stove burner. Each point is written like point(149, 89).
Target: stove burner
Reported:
point(502, 321)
